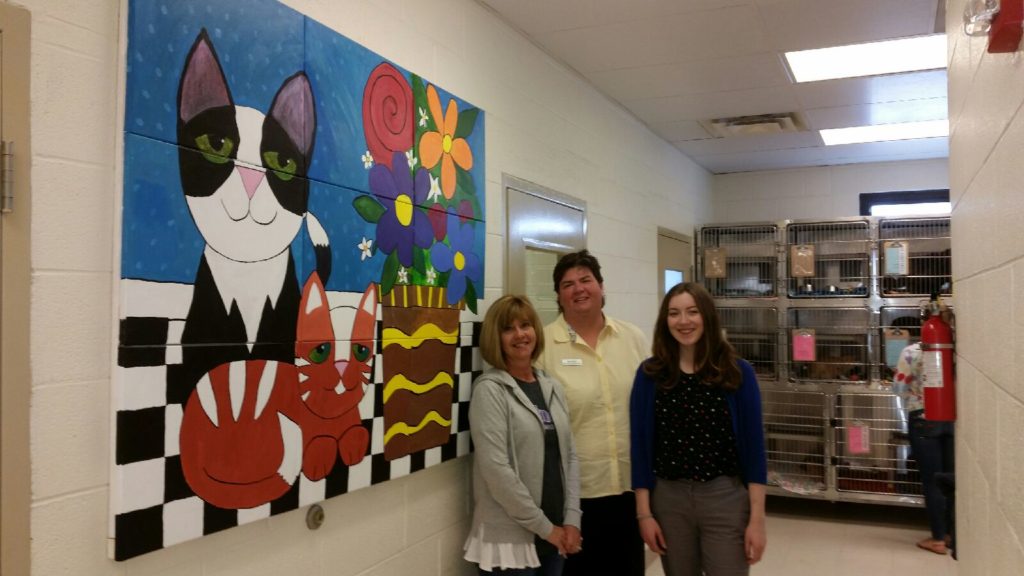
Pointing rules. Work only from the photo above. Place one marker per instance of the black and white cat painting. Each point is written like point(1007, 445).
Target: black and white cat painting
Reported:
point(243, 177)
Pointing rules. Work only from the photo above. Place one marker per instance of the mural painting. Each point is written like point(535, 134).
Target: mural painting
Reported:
point(302, 253)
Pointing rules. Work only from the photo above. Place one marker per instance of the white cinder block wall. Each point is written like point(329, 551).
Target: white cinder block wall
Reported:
point(543, 124)
point(818, 193)
point(986, 174)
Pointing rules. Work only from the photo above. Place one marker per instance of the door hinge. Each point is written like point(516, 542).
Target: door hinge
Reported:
point(6, 176)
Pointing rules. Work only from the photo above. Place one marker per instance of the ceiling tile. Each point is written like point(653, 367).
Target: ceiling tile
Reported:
point(608, 11)
point(710, 105)
point(537, 16)
point(678, 131)
point(889, 88)
point(804, 24)
point(882, 113)
point(760, 143)
point(661, 40)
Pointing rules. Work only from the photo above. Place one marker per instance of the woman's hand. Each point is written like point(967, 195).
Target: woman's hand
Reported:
point(557, 539)
point(650, 531)
point(573, 539)
point(754, 541)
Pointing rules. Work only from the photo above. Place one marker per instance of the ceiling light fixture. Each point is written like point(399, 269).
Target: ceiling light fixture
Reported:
point(885, 132)
point(870, 59)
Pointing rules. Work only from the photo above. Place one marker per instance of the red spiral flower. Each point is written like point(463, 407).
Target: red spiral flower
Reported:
point(388, 119)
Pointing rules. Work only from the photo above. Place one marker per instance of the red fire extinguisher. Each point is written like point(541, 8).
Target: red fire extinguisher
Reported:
point(937, 377)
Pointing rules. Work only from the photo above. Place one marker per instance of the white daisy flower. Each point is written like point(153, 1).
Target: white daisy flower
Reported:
point(366, 247)
point(435, 190)
point(412, 159)
point(423, 117)
point(403, 275)
point(431, 275)
point(367, 160)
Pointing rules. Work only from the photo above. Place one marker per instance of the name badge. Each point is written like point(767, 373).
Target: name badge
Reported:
point(572, 362)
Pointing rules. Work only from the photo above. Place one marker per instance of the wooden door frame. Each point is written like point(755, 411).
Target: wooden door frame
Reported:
point(15, 375)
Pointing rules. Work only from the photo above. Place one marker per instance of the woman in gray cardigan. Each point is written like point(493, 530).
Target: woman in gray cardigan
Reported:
point(525, 473)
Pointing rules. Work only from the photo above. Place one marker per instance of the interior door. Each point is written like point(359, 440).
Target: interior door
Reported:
point(675, 259)
point(542, 225)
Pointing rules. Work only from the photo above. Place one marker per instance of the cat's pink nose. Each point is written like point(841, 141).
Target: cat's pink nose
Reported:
point(251, 178)
point(340, 366)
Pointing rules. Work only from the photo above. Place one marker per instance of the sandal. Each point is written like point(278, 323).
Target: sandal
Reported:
point(934, 546)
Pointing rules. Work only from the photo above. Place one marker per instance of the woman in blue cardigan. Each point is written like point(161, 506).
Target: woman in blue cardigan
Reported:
point(698, 455)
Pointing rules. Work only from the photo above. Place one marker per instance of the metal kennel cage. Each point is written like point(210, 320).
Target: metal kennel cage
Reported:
point(740, 261)
point(795, 428)
point(829, 344)
point(872, 449)
point(754, 332)
point(914, 256)
point(828, 259)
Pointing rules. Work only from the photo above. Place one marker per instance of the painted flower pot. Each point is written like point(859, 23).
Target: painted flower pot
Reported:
point(419, 341)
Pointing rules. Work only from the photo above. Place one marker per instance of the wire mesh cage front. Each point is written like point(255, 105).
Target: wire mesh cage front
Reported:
point(828, 344)
point(871, 446)
point(828, 259)
point(794, 425)
point(914, 256)
point(739, 261)
point(754, 332)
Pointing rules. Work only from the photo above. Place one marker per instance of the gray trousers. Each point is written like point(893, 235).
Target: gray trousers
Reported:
point(703, 524)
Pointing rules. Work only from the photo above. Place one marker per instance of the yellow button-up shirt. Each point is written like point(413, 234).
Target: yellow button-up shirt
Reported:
point(597, 384)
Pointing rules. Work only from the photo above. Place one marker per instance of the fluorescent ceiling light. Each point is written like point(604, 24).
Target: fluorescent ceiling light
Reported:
point(885, 132)
point(870, 59)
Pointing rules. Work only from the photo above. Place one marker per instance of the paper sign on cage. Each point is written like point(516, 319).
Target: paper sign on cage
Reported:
point(896, 257)
point(801, 261)
point(714, 262)
point(804, 345)
point(858, 438)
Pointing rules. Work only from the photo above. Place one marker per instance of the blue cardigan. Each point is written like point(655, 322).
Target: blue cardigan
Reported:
point(747, 427)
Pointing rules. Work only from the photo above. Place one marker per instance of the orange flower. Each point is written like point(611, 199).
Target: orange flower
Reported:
point(442, 146)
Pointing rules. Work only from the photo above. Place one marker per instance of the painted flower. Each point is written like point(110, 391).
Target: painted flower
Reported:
point(402, 225)
point(403, 275)
point(431, 275)
point(411, 158)
point(435, 190)
point(458, 258)
point(443, 146)
point(366, 248)
point(367, 160)
point(423, 117)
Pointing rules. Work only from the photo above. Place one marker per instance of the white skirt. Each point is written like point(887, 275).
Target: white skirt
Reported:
point(499, 555)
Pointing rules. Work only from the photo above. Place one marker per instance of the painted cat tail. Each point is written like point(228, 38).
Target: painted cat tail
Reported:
point(321, 247)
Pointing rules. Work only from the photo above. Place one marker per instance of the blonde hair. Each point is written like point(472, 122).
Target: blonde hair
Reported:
point(502, 313)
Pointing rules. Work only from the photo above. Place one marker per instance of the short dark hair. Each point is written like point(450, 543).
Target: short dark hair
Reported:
point(572, 260)
point(502, 313)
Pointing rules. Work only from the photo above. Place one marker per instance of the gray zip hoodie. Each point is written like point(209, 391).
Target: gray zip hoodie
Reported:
point(508, 462)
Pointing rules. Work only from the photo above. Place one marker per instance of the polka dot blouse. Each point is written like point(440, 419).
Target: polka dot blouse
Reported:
point(693, 436)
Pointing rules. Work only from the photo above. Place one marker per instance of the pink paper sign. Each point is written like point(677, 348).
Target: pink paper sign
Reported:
point(803, 346)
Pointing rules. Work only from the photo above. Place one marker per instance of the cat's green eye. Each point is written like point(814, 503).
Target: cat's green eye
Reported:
point(360, 352)
point(216, 149)
point(285, 171)
point(321, 353)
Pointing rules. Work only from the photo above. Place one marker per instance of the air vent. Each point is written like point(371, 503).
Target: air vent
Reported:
point(754, 125)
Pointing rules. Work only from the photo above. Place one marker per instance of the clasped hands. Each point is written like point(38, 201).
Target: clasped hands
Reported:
point(566, 538)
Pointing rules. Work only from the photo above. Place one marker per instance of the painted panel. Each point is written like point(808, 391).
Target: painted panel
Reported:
point(302, 255)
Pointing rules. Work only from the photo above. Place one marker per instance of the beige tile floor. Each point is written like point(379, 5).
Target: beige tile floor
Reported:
point(811, 538)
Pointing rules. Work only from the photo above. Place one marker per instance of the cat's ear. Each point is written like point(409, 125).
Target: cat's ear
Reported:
point(294, 111)
point(203, 85)
point(314, 322)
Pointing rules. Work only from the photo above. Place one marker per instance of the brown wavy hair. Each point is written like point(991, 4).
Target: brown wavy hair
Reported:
point(714, 358)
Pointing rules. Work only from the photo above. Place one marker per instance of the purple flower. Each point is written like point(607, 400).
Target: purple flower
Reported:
point(458, 257)
point(402, 224)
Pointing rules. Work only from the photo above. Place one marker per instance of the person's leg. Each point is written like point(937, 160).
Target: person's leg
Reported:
point(611, 539)
point(672, 503)
point(926, 446)
point(723, 511)
point(551, 565)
